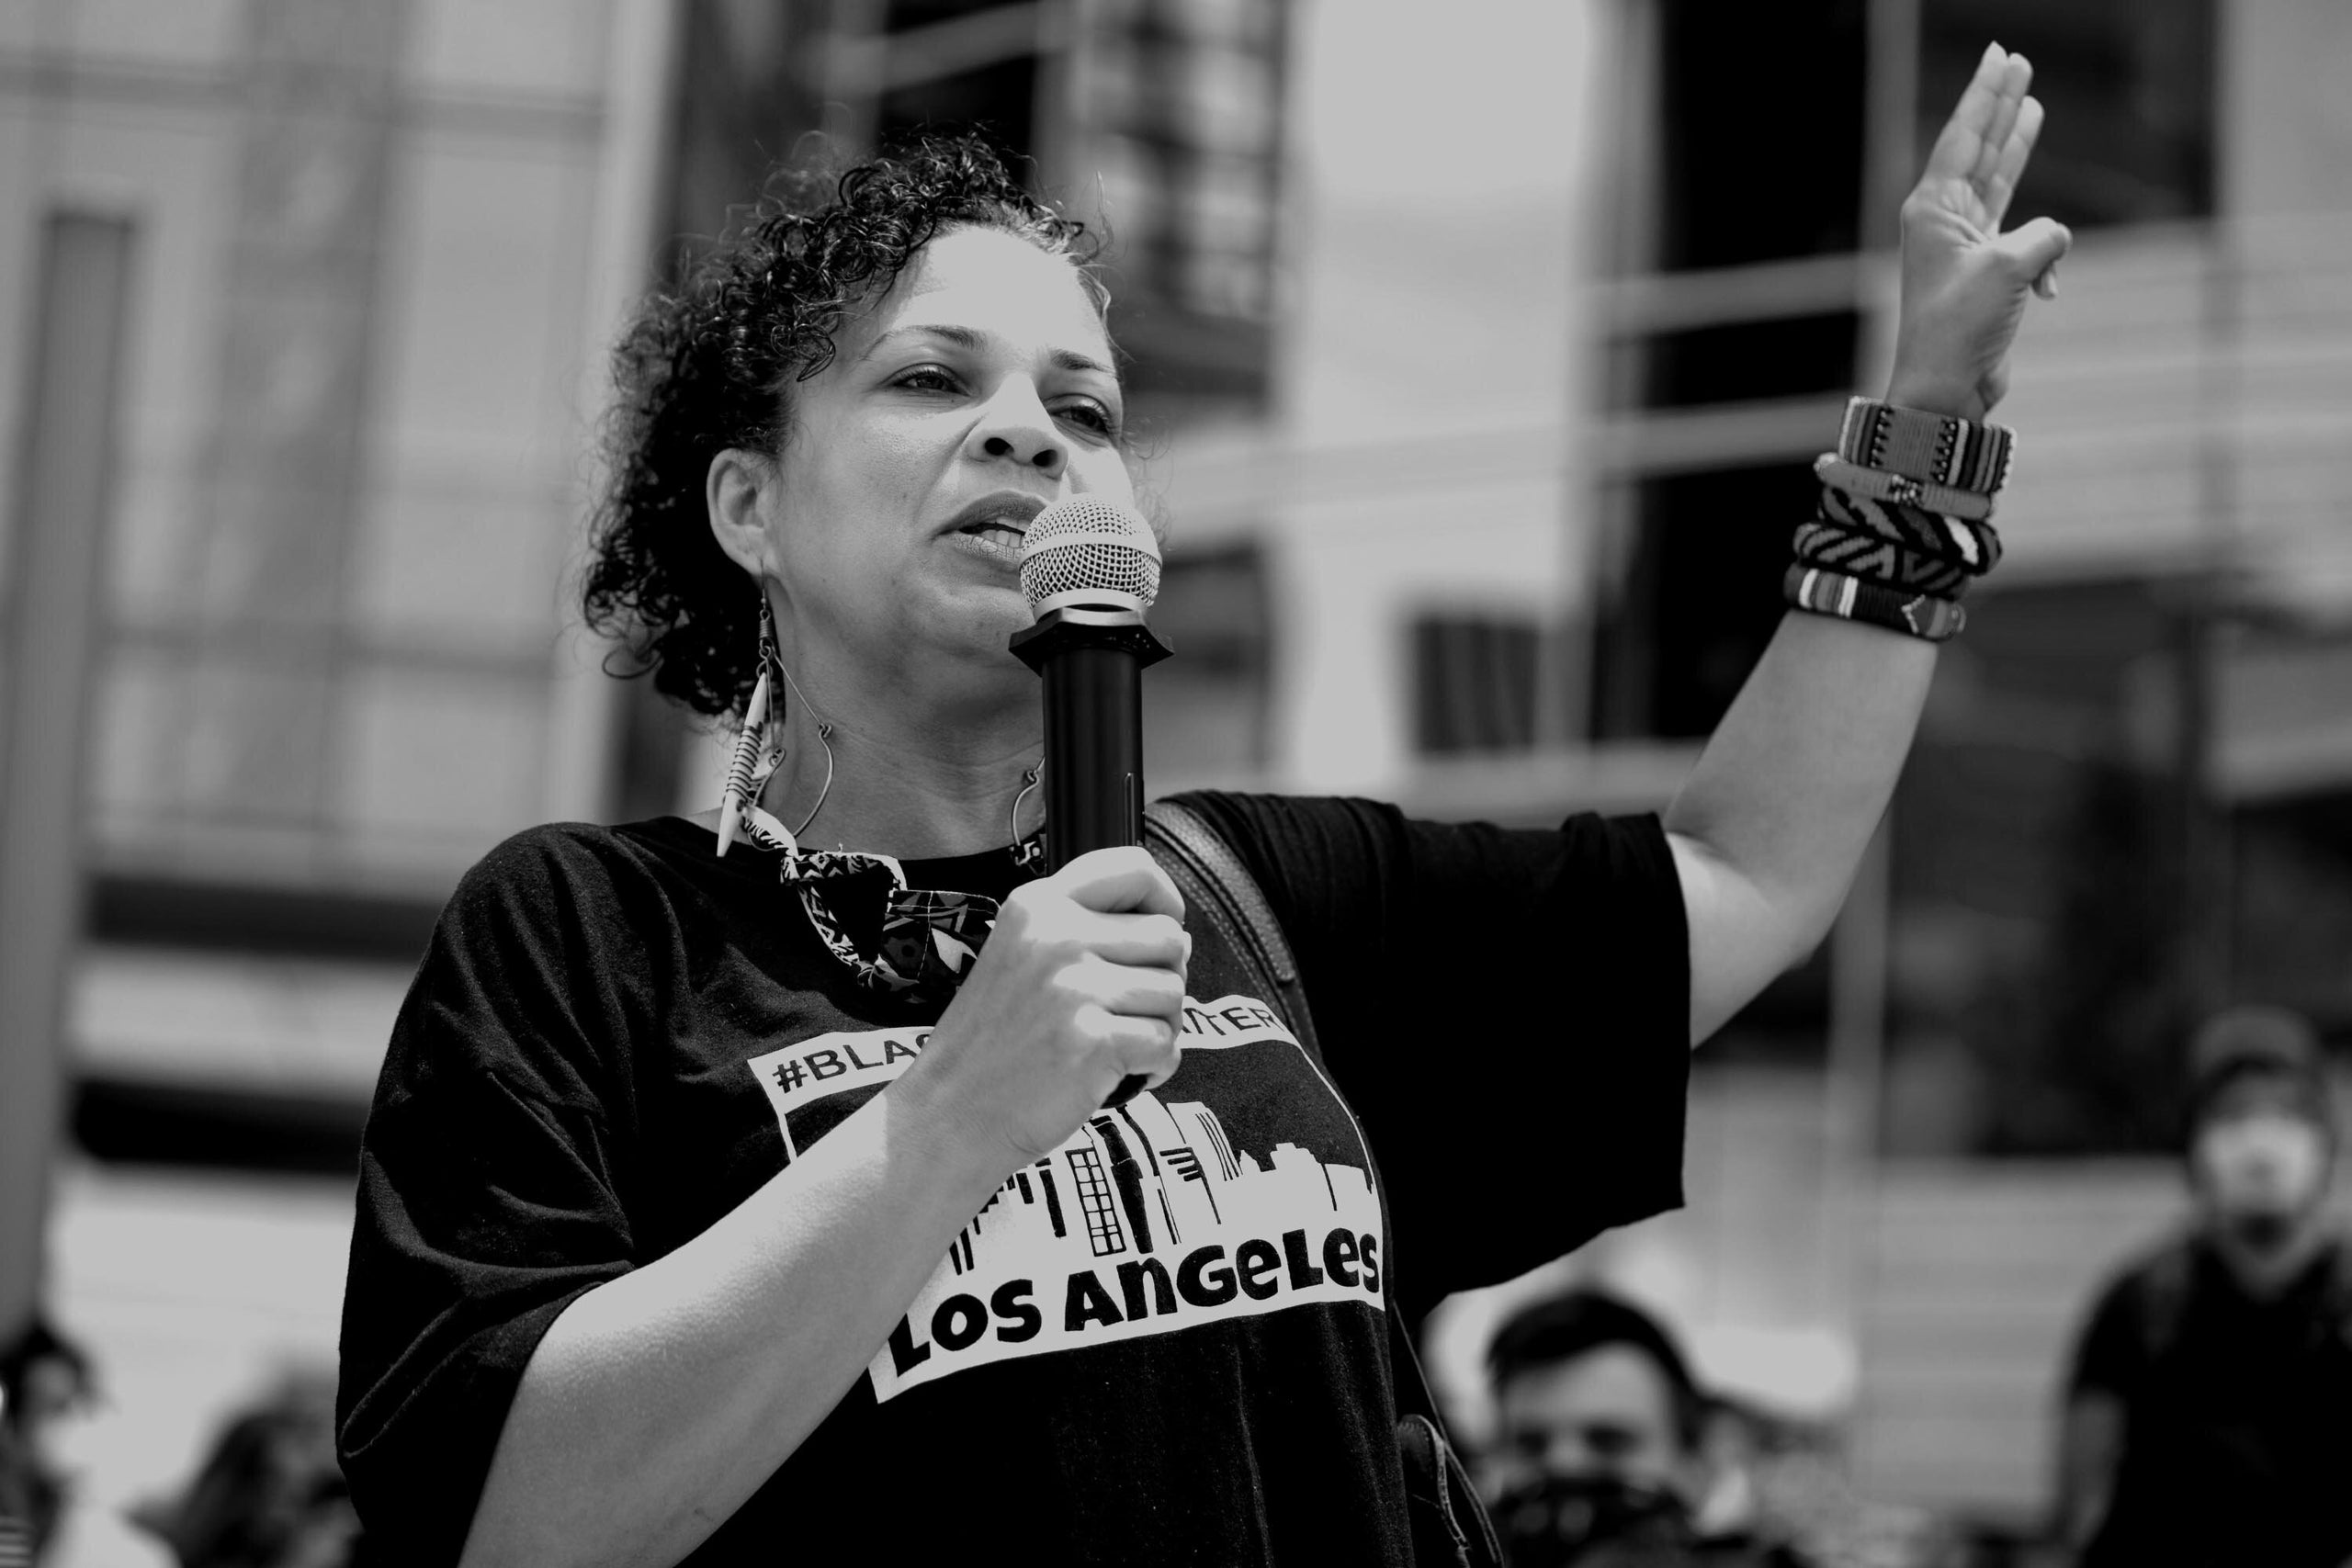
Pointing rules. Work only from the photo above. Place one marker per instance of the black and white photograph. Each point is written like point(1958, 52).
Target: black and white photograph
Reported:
point(1246, 784)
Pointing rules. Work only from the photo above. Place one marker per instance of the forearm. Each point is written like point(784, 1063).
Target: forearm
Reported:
point(1772, 824)
point(1774, 819)
point(658, 1403)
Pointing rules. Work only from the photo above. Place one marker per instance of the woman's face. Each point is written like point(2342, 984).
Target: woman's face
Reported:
point(976, 391)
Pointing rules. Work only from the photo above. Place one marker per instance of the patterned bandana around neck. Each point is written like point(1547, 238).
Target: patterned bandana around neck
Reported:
point(929, 938)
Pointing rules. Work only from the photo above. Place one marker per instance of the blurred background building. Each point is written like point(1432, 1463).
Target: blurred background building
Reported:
point(1479, 366)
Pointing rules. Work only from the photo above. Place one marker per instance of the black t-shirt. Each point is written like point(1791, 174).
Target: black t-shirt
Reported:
point(1164, 1343)
point(2238, 1414)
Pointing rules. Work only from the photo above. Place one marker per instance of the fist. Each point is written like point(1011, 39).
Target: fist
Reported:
point(1081, 983)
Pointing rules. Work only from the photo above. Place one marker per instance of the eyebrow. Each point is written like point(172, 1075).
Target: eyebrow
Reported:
point(974, 339)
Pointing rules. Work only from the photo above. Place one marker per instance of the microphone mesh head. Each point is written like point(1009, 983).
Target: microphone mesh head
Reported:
point(1086, 544)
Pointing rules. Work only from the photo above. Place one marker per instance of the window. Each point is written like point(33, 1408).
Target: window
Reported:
point(1697, 596)
point(1728, 346)
point(1176, 110)
point(1207, 711)
point(1727, 196)
point(1476, 683)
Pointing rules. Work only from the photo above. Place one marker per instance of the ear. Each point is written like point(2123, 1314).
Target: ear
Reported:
point(732, 494)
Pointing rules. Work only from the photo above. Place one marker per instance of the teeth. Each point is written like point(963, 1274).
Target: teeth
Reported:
point(1008, 538)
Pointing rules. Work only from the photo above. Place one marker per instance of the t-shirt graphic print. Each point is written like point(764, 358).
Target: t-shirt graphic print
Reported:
point(1238, 1188)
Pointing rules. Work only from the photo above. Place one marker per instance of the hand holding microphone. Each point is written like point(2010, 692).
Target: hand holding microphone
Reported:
point(1079, 989)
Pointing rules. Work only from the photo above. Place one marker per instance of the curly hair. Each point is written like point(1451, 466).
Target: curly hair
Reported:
point(711, 366)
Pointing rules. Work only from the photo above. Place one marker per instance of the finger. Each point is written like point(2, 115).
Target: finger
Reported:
point(2034, 248)
point(1115, 881)
point(1963, 138)
point(1159, 941)
point(1132, 990)
point(1144, 1045)
point(2046, 285)
point(2015, 79)
point(2014, 154)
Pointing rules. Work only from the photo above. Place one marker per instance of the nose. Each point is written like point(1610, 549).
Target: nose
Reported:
point(1570, 1457)
point(1016, 428)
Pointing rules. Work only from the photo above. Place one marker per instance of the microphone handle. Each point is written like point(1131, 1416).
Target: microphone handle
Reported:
point(1093, 765)
point(1094, 751)
point(1093, 663)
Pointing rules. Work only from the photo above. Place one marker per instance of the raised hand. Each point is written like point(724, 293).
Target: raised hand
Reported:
point(1965, 281)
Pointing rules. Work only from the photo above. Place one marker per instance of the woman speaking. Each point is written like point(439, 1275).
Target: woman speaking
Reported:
point(741, 1189)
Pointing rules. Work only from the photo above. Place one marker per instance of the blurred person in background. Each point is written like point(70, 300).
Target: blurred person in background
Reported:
point(2208, 1414)
point(268, 1494)
point(19, 1486)
point(635, 1278)
point(46, 1385)
point(48, 1399)
point(1603, 1457)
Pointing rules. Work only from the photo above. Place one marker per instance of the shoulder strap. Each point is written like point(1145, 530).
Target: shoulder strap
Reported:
point(1234, 904)
point(1218, 888)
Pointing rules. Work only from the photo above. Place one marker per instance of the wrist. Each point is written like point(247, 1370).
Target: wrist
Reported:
point(940, 1130)
point(1929, 394)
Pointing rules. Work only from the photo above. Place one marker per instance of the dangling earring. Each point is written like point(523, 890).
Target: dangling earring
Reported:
point(1029, 855)
point(824, 732)
point(748, 767)
point(824, 738)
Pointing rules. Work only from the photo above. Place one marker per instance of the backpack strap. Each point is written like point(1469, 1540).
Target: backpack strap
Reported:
point(1217, 887)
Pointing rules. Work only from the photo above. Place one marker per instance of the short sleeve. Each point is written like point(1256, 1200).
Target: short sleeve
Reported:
point(491, 1178)
point(1507, 1010)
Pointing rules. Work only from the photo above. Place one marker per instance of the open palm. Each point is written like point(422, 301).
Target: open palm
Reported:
point(1965, 281)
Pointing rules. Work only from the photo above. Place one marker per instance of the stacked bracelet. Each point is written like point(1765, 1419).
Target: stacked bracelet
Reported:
point(1873, 484)
point(1972, 546)
point(1865, 555)
point(1904, 523)
point(1822, 591)
point(1934, 448)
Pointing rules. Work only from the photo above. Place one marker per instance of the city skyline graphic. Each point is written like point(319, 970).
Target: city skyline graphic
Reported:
point(1152, 1217)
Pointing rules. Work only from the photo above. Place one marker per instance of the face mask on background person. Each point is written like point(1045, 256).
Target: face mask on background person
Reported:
point(1593, 1521)
point(2260, 1131)
point(2259, 1168)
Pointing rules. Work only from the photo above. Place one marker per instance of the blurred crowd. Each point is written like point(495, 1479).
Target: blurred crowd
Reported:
point(2205, 1415)
point(268, 1492)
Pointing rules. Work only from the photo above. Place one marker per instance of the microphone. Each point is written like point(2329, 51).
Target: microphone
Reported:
point(1090, 569)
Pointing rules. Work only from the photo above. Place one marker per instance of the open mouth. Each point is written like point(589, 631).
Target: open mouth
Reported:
point(1002, 534)
point(999, 521)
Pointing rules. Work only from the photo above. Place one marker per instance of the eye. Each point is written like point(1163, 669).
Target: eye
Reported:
point(928, 379)
point(1611, 1442)
point(1092, 415)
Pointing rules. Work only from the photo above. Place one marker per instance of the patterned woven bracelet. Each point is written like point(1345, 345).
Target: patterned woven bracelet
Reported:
point(1873, 559)
point(1972, 546)
point(1871, 484)
point(1932, 447)
point(1820, 592)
